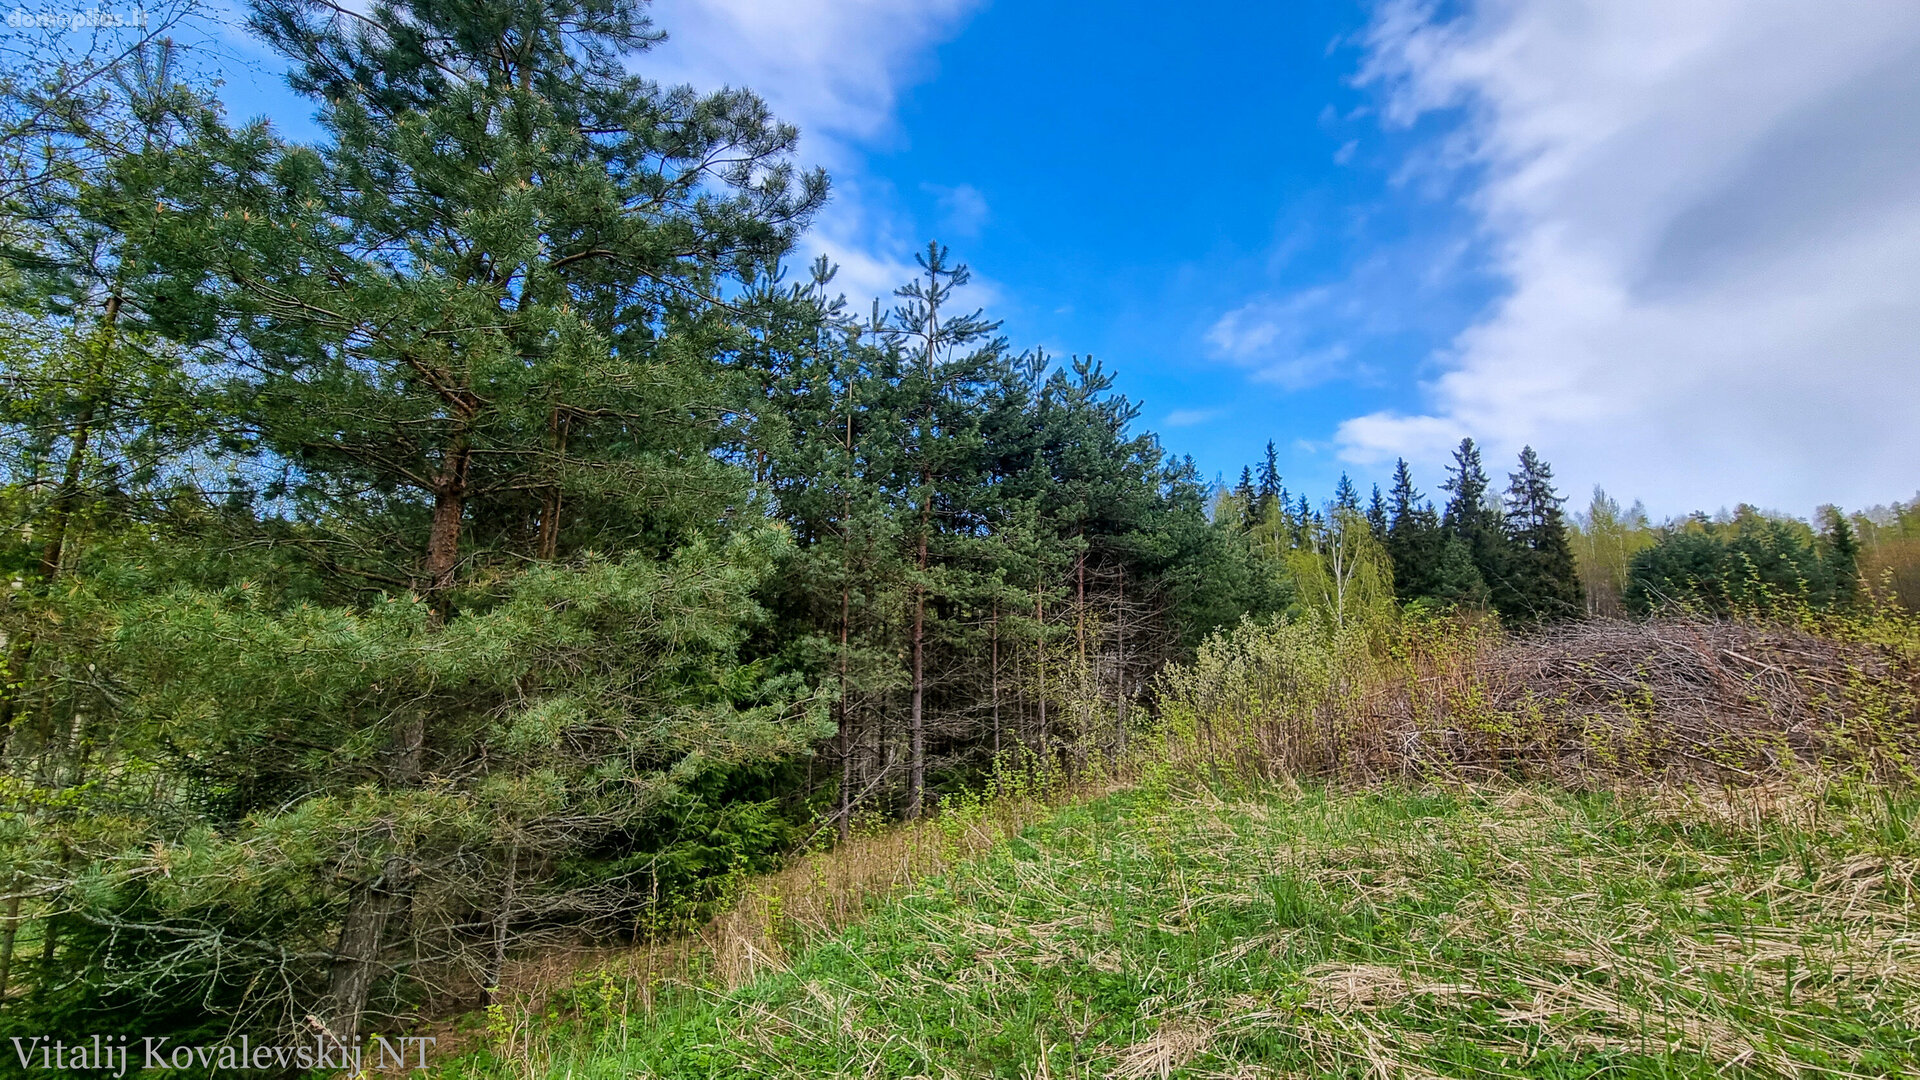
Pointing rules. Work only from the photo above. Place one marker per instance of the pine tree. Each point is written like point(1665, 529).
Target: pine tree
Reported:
point(476, 330)
point(936, 438)
point(1377, 515)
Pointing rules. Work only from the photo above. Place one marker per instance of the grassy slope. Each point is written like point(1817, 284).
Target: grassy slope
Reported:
point(1389, 933)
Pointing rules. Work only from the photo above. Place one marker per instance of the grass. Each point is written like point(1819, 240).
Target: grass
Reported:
point(1452, 931)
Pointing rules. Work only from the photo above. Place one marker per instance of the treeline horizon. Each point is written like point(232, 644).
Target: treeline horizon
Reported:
point(468, 533)
point(1502, 549)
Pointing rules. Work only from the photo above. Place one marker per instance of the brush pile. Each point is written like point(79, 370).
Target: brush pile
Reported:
point(1723, 701)
point(1720, 699)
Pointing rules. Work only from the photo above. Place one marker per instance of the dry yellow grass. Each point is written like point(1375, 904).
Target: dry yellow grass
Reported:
point(766, 919)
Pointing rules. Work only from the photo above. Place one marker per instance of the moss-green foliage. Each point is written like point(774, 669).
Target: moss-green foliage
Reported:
point(1399, 932)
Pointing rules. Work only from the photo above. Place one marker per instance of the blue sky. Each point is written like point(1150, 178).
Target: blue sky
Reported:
point(1674, 247)
point(1135, 179)
point(1201, 198)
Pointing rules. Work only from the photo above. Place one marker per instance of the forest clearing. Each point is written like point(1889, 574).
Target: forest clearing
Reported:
point(1666, 849)
point(499, 551)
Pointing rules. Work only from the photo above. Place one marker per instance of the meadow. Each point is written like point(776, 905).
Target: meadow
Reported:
point(1700, 878)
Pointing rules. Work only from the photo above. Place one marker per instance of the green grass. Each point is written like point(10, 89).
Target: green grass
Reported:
point(1407, 932)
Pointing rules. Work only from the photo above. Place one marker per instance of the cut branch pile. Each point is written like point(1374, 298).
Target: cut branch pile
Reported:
point(1600, 698)
point(1716, 699)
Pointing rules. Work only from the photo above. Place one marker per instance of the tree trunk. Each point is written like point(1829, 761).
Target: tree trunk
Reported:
point(1120, 664)
point(1085, 683)
point(356, 960)
point(846, 620)
point(548, 545)
point(60, 514)
point(1040, 694)
point(502, 922)
point(1080, 605)
point(917, 727)
point(845, 815)
point(994, 676)
point(449, 507)
point(363, 932)
point(9, 934)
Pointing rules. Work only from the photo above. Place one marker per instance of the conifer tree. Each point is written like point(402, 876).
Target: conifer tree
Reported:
point(1345, 495)
point(1244, 496)
point(1543, 582)
point(1477, 525)
point(1377, 515)
point(476, 335)
point(940, 383)
point(1271, 492)
point(1455, 580)
point(1414, 541)
point(1840, 551)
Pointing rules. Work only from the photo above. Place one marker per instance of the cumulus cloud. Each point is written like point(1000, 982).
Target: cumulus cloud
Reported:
point(836, 68)
point(1707, 218)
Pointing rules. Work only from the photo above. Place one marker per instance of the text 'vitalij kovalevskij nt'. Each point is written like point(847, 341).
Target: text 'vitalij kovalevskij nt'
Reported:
point(114, 1055)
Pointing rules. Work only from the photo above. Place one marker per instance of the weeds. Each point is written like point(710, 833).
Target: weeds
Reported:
point(1422, 848)
point(1455, 931)
point(558, 1001)
point(1579, 703)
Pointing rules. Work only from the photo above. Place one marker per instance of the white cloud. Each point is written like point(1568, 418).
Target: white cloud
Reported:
point(836, 68)
point(963, 209)
point(1190, 417)
point(1281, 339)
point(1707, 216)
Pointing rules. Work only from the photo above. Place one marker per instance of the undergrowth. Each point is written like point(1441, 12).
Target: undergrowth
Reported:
point(1658, 849)
point(1430, 930)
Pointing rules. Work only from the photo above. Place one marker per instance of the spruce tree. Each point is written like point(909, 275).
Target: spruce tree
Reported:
point(1840, 551)
point(1455, 580)
point(1414, 541)
point(1544, 581)
point(1244, 496)
point(1477, 525)
point(1345, 495)
point(1271, 492)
